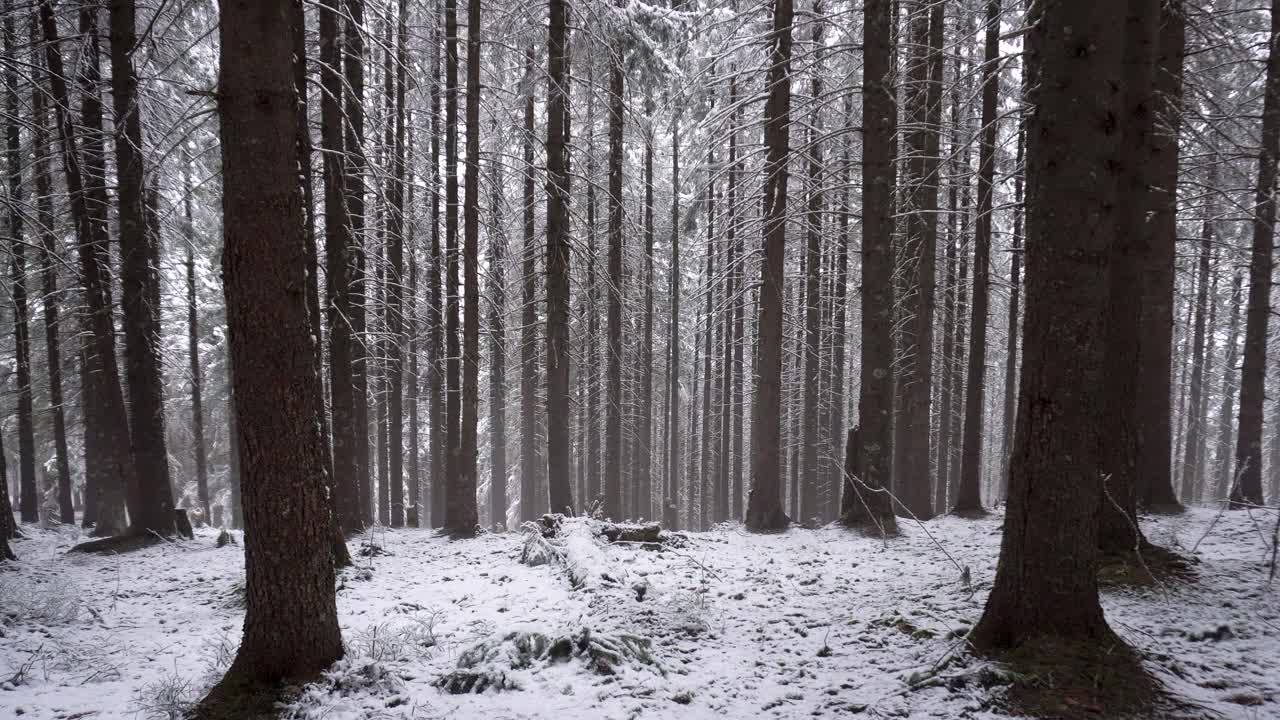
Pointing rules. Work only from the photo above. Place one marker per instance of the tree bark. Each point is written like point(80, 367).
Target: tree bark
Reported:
point(1247, 484)
point(764, 505)
point(1222, 473)
point(151, 505)
point(864, 499)
point(1046, 586)
point(193, 351)
point(291, 626)
point(530, 450)
point(809, 508)
point(559, 451)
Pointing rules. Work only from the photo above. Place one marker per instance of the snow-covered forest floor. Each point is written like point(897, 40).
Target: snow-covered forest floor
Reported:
point(805, 623)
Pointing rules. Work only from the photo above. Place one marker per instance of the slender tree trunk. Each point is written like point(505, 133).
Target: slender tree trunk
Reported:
point(1191, 465)
point(29, 495)
point(864, 500)
point(923, 96)
point(704, 456)
point(670, 511)
point(530, 455)
point(1155, 352)
point(354, 187)
point(1222, 473)
point(736, 249)
point(1014, 330)
point(644, 459)
point(808, 507)
point(969, 497)
point(291, 624)
point(396, 276)
point(340, 275)
point(1247, 484)
point(439, 442)
point(1046, 585)
point(764, 505)
point(593, 367)
point(497, 352)
point(49, 250)
point(559, 452)
point(193, 352)
point(109, 466)
point(840, 321)
point(613, 402)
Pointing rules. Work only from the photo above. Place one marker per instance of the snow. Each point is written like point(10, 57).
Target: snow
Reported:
point(808, 622)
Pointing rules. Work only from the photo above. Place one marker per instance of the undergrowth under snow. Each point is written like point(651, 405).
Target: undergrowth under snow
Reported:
point(728, 624)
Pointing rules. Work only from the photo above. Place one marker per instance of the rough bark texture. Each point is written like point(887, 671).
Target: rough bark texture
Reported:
point(1155, 352)
point(1046, 585)
point(151, 504)
point(864, 500)
point(559, 452)
point(1247, 483)
point(764, 505)
point(291, 626)
point(614, 287)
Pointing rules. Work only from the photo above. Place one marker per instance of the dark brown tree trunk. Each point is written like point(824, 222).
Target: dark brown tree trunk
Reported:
point(435, 308)
point(864, 497)
point(559, 451)
point(1155, 352)
point(671, 493)
point(151, 505)
point(923, 95)
point(809, 508)
point(49, 250)
point(969, 496)
point(109, 466)
point(644, 459)
point(1014, 330)
point(340, 261)
point(497, 352)
point(1247, 484)
point(530, 452)
point(29, 495)
point(614, 287)
point(354, 188)
point(291, 626)
point(396, 276)
point(193, 351)
point(1221, 475)
point(764, 505)
point(1192, 465)
point(1046, 586)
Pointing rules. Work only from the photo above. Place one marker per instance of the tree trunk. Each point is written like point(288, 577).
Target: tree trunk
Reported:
point(340, 274)
point(354, 187)
point(1155, 352)
point(1014, 330)
point(1247, 484)
point(923, 99)
point(193, 351)
point(530, 451)
point(764, 505)
point(559, 452)
point(439, 442)
point(864, 500)
point(497, 352)
point(291, 626)
point(644, 459)
point(1222, 473)
point(1191, 461)
point(1046, 586)
point(613, 401)
point(29, 495)
point(49, 250)
point(151, 504)
point(969, 496)
point(671, 494)
point(395, 286)
point(109, 466)
point(809, 508)
point(7, 527)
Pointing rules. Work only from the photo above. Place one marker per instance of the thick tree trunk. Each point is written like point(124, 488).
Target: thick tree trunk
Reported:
point(291, 626)
point(864, 500)
point(1155, 351)
point(1046, 586)
point(109, 466)
point(1247, 484)
point(969, 496)
point(559, 452)
point(151, 505)
point(764, 505)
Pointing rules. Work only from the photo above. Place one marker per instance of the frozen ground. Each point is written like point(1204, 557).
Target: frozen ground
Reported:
point(805, 623)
